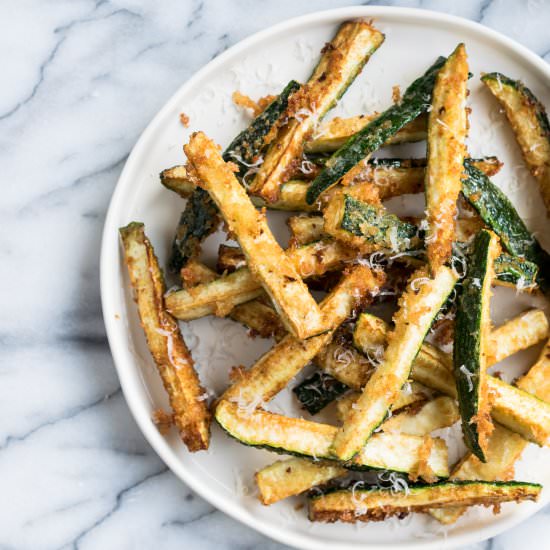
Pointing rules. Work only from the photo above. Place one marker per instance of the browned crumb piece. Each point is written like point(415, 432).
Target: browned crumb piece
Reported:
point(484, 423)
point(328, 47)
point(230, 258)
point(416, 407)
point(162, 420)
point(233, 166)
point(508, 474)
point(298, 506)
point(443, 332)
point(266, 100)
point(242, 100)
point(184, 119)
point(195, 273)
point(396, 94)
point(236, 373)
point(423, 469)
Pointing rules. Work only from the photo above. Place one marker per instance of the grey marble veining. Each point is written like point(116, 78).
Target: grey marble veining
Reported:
point(80, 81)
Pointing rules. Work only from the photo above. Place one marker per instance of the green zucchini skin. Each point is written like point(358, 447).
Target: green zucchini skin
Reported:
point(365, 486)
point(248, 144)
point(359, 215)
point(201, 217)
point(416, 101)
point(321, 159)
point(317, 391)
point(358, 501)
point(516, 271)
point(496, 210)
point(468, 345)
point(517, 85)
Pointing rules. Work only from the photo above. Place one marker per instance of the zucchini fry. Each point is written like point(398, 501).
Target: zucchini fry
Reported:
point(245, 149)
point(362, 144)
point(537, 378)
point(217, 297)
point(195, 273)
point(282, 434)
point(286, 478)
point(177, 179)
point(396, 177)
point(297, 475)
point(173, 360)
point(255, 315)
point(530, 124)
point(496, 210)
point(512, 407)
point(362, 502)
point(516, 272)
point(265, 258)
point(521, 332)
point(520, 411)
point(320, 257)
point(314, 259)
point(415, 393)
point(418, 306)
point(437, 413)
point(447, 127)
point(292, 197)
point(505, 447)
point(200, 217)
point(367, 227)
point(274, 370)
point(349, 220)
point(230, 258)
point(305, 229)
point(260, 319)
point(317, 391)
point(344, 363)
point(472, 335)
point(434, 414)
point(341, 61)
point(333, 134)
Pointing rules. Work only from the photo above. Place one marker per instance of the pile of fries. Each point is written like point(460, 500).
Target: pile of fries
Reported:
point(391, 384)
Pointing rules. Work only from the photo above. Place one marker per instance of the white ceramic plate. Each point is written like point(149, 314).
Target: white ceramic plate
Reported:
point(259, 65)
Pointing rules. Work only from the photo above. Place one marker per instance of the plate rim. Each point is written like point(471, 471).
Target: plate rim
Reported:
point(110, 251)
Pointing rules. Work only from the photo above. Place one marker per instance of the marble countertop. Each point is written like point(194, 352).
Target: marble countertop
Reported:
point(81, 80)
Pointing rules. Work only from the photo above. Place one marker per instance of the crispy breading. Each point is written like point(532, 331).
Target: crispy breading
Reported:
point(447, 127)
point(173, 359)
point(339, 64)
point(265, 258)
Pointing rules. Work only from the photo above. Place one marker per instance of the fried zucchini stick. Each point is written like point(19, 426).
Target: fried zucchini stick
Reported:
point(447, 127)
point(341, 61)
point(505, 447)
point(266, 260)
point(165, 342)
